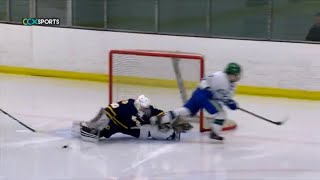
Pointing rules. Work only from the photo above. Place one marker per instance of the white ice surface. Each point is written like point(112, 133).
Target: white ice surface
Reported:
point(256, 150)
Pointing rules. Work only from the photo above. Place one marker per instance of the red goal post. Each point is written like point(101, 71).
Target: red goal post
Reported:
point(160, 74)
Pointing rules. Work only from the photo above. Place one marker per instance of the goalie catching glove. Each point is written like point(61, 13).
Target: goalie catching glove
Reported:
point(165, 123)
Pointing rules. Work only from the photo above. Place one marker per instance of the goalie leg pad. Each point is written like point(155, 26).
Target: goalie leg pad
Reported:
point(100, 121)
point(154, 132)
point(145, 131)
point(89, 134)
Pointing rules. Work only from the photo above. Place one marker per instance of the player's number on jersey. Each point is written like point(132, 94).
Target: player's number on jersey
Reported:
point(116, 105)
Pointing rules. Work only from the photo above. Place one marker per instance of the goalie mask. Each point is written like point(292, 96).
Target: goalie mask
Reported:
point(142, 103)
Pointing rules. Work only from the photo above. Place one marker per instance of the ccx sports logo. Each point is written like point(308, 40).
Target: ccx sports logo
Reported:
point(40, 21)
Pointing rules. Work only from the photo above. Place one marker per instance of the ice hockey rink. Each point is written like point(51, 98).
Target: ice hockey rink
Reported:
point(256, 150)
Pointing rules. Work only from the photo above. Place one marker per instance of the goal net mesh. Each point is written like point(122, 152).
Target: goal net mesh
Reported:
point(167, 78)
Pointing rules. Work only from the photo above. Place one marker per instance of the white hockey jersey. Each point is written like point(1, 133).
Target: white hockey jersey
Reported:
point(219, 85)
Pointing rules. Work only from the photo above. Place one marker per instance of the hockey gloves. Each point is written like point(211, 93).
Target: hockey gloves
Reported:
point(233, 105)
point(169, 121)
point(181, 125)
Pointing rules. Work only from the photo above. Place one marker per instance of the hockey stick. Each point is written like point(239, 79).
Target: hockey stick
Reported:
point(24, 125)
point(263, 118)
point(4, 112)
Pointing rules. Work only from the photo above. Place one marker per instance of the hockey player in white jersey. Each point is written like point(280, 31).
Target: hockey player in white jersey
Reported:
point(213, 92)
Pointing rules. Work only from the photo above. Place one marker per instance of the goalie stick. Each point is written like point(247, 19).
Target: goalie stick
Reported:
point(9, 115)
point(263, 118)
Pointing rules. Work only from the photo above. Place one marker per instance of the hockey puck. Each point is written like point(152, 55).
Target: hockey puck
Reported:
point(65, 146)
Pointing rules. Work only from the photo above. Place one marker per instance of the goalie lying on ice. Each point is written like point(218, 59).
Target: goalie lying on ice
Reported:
point(136, 118)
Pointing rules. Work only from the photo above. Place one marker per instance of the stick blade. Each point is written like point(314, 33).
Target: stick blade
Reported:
point(282, 122)
point(278, 123)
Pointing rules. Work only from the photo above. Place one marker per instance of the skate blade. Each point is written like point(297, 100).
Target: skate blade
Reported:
point(216, 141)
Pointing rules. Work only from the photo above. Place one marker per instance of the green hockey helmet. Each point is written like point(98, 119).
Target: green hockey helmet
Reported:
point(233, 68)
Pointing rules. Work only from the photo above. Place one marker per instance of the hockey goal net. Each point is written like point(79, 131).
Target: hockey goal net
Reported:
point(167, 78)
